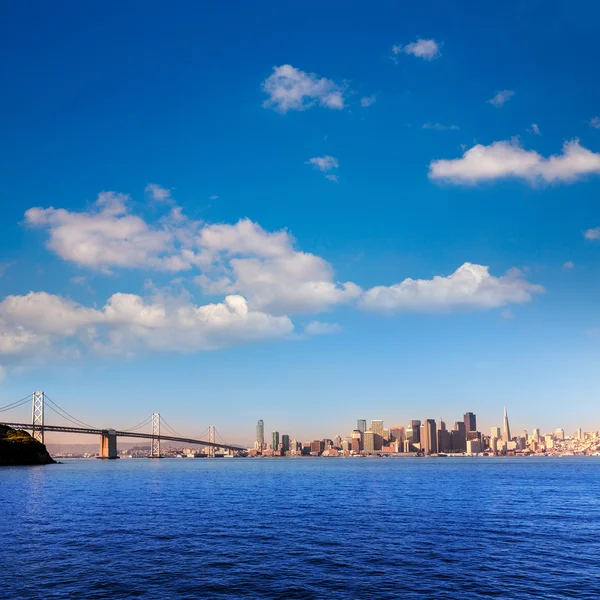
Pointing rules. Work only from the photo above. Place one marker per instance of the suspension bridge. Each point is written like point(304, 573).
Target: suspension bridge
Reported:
point(108, 437)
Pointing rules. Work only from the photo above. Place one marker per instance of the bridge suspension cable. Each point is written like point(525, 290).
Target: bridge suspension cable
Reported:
point(169, 428)
point(145, 422)
point(16, 404)
point(66, 415)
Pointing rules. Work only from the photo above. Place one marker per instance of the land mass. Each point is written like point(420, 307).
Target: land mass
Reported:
point(17, 447)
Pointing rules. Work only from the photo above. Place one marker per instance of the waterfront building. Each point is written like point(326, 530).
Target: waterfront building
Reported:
point(443, 438)
point(361, 425)
point(458, 442)
point(579, 434)
point(470, 422)
point(474, 447)
point(429, 437)
point(260, 435)
point(317, 447)
point(506, 429)
point(275, 440)
point(386, 435)
point(369, 442)
point(397, 434)
point(560, 434)
point(495, 432)
point(415, 425)
point(357, 440)
point(285, 442)
point(377, 427)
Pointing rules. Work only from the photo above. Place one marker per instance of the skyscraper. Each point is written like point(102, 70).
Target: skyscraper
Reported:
point(285, 442)
point(470, 422)
point(361, 425)
point(275, 440)
point(443, 438)
point(506, 429)
point(415, 425)
point(458, 437)
point(429, 437)
point(369, 442)
point(377, 427)
point(260, 435)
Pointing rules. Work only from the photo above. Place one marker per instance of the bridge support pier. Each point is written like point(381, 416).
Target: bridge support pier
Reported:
point(108, 444)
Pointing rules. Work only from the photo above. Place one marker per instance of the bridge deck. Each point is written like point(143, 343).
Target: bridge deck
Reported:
point(129, 434)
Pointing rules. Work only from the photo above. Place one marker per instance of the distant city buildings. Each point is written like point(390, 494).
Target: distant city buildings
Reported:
point(428, 438)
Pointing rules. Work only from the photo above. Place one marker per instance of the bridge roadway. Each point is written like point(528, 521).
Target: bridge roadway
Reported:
point(129, 434)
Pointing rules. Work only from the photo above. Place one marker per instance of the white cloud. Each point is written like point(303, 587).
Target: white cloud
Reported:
point(213, 197)
point(39, 322)
point(367, 101)
point(500, 99)
point(595, 122)
point(569, 265)
point(158, 193)
point(469, 287)
point(107, 235)
point(508, 159)
point(535, 130)
point(440, 127)
point(264, 268)
point(325, 164)
point(322, 328)
point(289, 88)
point(427, 49)
point(592, 234)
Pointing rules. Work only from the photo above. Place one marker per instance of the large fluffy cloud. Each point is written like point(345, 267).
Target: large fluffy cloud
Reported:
point(128, 323)
point(469, 287)
point(508, 159)
point(289, 88)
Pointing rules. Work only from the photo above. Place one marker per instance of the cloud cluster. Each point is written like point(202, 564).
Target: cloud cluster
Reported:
point(426, 49)
point(508, 159)
point(501, 98)
point(289, 88)
point(592, 234)
point(260, 276)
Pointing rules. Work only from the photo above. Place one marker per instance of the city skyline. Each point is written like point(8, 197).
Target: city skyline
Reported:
point(376, 219)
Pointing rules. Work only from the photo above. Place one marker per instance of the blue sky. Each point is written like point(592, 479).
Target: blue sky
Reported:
point(302, 162)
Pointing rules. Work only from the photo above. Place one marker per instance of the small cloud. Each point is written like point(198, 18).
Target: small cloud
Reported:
point(325, 164)
point(289, 88)
point(440, 127)
point(366, 101)
point(322, 328)
point(426, 49)
point(158, 193)
point(595, 122)
point(595, 332)
point(569, 265)
point(534, 129)
point(213, 197)
point(592, 234)
point(507, 314)
point(501, 98)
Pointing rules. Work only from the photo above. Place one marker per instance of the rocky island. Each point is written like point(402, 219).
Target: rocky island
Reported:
point(17, 447)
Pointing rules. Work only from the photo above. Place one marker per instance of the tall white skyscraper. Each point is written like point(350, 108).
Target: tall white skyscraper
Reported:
point(506, 429)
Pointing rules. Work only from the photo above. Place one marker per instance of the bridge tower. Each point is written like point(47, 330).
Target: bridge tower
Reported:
point(211, 438)
point(155, 445)
point(37, 416)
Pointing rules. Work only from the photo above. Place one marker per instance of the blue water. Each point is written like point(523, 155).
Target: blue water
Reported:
point(302, 528)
